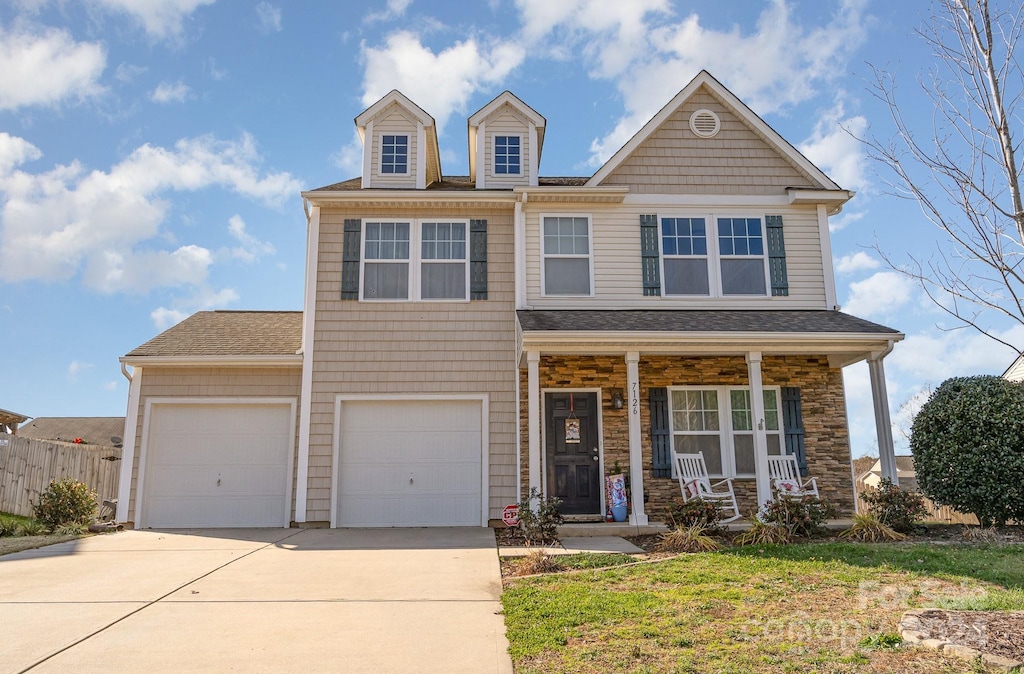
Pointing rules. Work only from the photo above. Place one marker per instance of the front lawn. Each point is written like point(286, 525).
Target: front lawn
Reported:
point(19, 533)
point(829, 607)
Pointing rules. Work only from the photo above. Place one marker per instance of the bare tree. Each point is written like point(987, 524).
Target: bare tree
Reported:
point(963, 172)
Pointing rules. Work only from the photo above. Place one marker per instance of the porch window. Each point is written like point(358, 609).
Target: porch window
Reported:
point(718, 423)
point(566, 266)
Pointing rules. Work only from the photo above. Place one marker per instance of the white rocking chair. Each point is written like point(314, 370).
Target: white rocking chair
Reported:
point(784, 475)
point(695, 484)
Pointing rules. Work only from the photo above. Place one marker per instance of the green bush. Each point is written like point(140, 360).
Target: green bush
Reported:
point(899, 509)
point(801, 516)
point(65, 501)
point(693, 513)
point(541, 526)
point(968, 446)
point(8, 526)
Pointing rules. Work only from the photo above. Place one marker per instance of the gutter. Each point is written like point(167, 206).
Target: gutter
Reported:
point(284, 360)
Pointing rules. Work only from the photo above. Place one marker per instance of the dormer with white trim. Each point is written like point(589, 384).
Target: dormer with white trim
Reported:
point(505, 141)
point(399, 144)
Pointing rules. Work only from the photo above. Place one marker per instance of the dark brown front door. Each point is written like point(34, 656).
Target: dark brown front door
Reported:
point(573, 456)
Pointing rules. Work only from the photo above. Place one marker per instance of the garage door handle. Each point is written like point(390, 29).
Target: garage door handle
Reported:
point(410, 480)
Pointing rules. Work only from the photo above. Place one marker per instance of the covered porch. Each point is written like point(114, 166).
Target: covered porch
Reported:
point(616, 391)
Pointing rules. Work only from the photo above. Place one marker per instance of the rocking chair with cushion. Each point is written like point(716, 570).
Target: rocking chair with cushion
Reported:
point(695, 483)
point(784, 475)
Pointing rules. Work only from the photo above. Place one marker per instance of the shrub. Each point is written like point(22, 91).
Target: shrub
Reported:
point(693, 538)
point(8, 526)
point(760, 533)
point(31, 528)
point(693, 513)
point(801, 516)
point(868, 528)
point(540, 527)
point(968, 446)
point(900, 509)
point(538, 561)
point(65, 501)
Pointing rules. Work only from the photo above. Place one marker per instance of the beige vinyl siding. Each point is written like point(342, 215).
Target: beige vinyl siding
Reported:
point(674, 160)
point(618, 282)
point(506, 122)
point(204, 382)
point(1016, 371)
point(415, 348)
point(393, 121)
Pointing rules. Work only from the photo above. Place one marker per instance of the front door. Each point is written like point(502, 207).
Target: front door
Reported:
point(573, 455)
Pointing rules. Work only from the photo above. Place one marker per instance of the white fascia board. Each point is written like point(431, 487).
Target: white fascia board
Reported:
point(394, 96)
point(412, 198)
point(708, 200)
point(511, 99)
point(289, 360)
point(580, 194)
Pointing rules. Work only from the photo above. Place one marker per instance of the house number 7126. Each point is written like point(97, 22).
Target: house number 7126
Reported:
point(634, 398)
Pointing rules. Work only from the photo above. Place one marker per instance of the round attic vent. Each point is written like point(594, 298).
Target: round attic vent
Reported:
point(705, 123)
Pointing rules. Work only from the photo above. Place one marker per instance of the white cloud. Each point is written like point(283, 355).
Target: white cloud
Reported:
point(76, 368)
point(349, 158)
point(47, 68)
point(394, 9)
point(834, 148)
point(126, 72)
point(859, 261)
point(251, 248)
point(110, 386)
point(15, 151)
point(164, 318)
point(844, 220)
point(160, 18)
point(269, 18)
point(879, 295)
point(68, 220)
point(440, 83)
point(204, 299)
point(216, 73)
point(170, 92)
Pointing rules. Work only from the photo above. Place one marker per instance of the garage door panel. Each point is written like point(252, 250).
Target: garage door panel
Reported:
point(385, 444)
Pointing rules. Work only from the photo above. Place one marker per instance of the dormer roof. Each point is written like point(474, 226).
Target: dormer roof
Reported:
point(421, 117)
point(525, 111)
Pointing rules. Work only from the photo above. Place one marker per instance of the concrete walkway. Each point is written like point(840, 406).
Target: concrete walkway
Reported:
point(265, 600)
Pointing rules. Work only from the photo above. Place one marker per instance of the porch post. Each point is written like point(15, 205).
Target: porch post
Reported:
point(764, 488)
point(636, 458)
point(533, 422)
point(883, 424)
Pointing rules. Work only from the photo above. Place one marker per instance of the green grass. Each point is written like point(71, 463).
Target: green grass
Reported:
point(788, 608)
point(595, 560)
point(992, 600)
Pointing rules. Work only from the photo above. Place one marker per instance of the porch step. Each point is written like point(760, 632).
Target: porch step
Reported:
point(574, 529)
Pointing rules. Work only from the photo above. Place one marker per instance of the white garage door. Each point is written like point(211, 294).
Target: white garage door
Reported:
point(410, 463)
point(217, 466)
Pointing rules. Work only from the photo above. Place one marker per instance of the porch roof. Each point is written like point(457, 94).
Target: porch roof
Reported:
point(690, 320)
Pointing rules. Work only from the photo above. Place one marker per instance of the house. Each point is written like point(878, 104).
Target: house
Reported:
point(904, 469)
point(9, 421)
point(103, 431)
point(466, 339)
point(1016, 370)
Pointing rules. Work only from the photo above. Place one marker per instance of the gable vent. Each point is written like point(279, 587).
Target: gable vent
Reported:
point(705, 123)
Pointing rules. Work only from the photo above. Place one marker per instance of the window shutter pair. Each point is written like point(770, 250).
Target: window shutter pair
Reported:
point(650, 254)
point(352, 251)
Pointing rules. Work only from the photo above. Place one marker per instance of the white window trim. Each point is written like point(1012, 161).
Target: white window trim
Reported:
point(725, 430)
point(494, 156)
point(415, 260)
point(380, 154)
point(714, 256)
point(544, 256)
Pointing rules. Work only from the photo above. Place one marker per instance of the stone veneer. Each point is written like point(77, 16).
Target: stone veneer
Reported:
point(821, 391)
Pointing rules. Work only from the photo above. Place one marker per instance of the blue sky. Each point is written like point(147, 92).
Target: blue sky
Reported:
point(152, 151)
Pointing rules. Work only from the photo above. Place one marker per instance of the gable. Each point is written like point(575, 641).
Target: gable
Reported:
point(737, 160)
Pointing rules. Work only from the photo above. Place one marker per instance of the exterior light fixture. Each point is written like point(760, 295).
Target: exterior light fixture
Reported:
point(617, 400)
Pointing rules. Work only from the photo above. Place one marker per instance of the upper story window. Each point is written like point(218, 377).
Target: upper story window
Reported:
point(418, 259)
point(394, 154)
point(728, 261)
point(566, 267)
point(507, 155)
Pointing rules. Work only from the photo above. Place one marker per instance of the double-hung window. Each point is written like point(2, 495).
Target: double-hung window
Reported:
point(685, 249)
point(719, 423)
point(415, 259)
point(507, 157)
point(394, 154)
point(726, 258)
point(741, 248)
point(566, 265)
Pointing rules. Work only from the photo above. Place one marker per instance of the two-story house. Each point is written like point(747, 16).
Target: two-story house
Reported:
point(465, 339)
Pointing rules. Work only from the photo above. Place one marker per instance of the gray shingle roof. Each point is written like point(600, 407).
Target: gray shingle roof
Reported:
point(698, 321)
point(450, 183)
point(93, 430)
point(228, 333)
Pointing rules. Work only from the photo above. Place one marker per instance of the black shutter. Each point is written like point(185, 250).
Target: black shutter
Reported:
point(649, 255)
point(350, 259)
point(661, 440)
point(478, 259)
point(776, 255)
point(793, 426)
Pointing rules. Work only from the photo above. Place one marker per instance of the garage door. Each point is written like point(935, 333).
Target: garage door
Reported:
point(217, 466)
point(410, 463)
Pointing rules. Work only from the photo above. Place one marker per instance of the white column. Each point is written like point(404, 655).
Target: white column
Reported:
point(883, 425)
point(131, 427)
point(636, 457)
point(533, 423)
point(764, 488)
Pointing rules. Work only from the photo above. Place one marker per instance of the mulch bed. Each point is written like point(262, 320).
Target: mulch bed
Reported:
point(996, 632)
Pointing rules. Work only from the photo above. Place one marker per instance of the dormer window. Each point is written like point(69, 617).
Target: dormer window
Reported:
point(394, 154)
point(507, 155)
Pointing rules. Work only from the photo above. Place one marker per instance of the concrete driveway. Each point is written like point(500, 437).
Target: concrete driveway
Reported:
point(264, 600)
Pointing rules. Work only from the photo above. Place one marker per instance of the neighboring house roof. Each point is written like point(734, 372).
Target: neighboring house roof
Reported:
point(905, 471)
point(92, 430)
point(700, 321)
point(212, 334)
point(455, 183)
point(8, 418)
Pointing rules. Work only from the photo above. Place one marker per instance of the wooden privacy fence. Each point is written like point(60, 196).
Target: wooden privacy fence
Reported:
point(27, 466)
point(941, 514)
